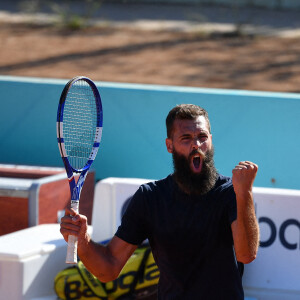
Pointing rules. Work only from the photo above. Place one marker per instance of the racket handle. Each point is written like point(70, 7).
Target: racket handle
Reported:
point(72, 250)
point(72, 241)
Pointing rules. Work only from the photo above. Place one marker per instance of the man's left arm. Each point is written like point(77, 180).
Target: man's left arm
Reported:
point(245, 228)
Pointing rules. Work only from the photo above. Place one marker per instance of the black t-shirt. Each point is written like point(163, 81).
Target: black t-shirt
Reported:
point(190, 237)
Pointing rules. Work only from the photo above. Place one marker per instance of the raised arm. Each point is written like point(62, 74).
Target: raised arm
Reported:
point(105, 262)
point(245, 228)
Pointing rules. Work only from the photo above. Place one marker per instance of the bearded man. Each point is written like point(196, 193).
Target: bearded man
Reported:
point(201, 225)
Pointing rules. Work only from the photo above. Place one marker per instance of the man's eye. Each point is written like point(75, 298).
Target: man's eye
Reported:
point(203, 137)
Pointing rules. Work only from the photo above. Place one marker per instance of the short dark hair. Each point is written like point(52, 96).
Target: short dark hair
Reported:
point(185, 112)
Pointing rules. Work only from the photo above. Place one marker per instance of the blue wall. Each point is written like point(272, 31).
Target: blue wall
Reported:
point(258, 126)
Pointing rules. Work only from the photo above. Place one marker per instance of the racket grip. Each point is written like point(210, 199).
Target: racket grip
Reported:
point(72, 250)
point(72, 240)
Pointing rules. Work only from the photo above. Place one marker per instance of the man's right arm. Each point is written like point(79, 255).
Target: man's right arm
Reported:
point(105, 262)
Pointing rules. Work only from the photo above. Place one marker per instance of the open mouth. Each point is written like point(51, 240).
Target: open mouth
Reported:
point(197, 163)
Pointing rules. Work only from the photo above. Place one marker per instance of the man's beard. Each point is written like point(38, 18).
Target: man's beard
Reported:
point(195, 183)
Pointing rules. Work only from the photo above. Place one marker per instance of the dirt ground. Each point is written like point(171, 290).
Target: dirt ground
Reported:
point(152, 57)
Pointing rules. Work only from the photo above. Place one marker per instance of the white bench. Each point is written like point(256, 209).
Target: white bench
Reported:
point(29, 260)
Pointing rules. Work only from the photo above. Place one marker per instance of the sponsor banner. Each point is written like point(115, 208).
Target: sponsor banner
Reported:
point(277, 265)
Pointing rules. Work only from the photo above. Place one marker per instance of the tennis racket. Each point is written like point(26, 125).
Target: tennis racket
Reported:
point(79, 131)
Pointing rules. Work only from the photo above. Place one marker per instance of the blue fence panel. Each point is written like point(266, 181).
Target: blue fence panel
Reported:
point(258, 126)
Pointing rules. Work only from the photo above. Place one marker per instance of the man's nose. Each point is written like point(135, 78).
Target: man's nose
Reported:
point(196, 143)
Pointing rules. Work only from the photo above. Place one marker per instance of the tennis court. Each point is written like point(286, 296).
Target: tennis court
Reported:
point(118, 53)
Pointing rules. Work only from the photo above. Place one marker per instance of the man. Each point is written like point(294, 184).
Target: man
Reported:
point(199, 223)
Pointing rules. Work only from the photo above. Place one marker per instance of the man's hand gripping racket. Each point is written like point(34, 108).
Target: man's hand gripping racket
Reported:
point(79, 131)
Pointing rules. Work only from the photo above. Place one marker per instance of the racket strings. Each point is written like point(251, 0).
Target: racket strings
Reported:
point(80, 121)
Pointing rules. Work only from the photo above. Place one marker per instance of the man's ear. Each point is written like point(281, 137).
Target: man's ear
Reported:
point(169, 145)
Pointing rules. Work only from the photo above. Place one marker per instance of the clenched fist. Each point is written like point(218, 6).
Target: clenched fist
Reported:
point(243, 176)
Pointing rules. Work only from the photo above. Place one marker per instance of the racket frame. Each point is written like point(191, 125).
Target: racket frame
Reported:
point(76, 188)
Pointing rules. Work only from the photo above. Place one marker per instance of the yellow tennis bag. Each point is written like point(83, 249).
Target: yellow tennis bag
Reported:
point(137, 280)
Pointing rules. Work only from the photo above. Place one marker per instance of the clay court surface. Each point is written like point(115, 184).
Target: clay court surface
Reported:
point(107, 53)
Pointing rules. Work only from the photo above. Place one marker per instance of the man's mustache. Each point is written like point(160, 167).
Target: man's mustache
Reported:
point(197, 151)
